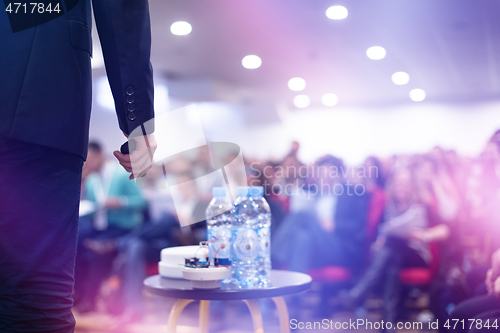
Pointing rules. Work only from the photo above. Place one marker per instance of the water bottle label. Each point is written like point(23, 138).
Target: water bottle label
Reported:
point(246, 245)
point(265, 242)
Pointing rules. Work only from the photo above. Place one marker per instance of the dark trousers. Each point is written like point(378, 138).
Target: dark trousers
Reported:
point(383, 273)
point(39, 200)
point(479, 307)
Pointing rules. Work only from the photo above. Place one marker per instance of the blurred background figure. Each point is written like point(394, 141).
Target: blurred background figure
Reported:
point(119, 209)
point(402, 242)
point(327, 227)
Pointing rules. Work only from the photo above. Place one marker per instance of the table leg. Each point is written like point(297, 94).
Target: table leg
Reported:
point(283, 314)
point(253, 306)
point(175, 313)
point(204, 305)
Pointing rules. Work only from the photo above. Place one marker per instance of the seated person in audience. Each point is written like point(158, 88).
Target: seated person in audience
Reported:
point(436, 190)
point(374, 182)
point(483, 308)
point(143, 245)
point(190, 204)
point(326, 225)
point(402, 242)
point(483, 194)
point(120, 205)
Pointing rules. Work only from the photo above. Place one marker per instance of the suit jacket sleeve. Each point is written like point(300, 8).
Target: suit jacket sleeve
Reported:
point(125, 34)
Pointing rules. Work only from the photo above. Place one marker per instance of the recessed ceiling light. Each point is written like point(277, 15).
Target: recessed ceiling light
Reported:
point(400, 78)
point(417, 95)
point(329, 99)
point(297, 84)
point(181, 28)
point(376, 52)
point(301, 101)
point(336, 13)
point(251, 62)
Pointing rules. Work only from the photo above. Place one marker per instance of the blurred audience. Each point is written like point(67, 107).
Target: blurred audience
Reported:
point(119, 206)
point(435, 211)
point(402, 242)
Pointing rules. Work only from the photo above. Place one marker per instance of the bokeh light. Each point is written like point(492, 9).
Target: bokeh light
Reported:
point(417, 95)
point(329, 99)
point(181, 28)
point(336, 13)
point(301, 101)
point(400, 78)
point(376, 52)
point(297, 84)
point(251, 62)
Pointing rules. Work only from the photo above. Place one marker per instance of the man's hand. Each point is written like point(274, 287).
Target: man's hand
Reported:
point(495, 264)
point(432, 234)
point(113, 203)
point(496, 288)
point(490, 281)
point(141, 159)
point(419, 234)
point(493, 273)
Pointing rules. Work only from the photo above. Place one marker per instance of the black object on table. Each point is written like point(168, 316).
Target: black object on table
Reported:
point(282, 283)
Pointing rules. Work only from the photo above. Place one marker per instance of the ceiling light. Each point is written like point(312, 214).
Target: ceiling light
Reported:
point(329, 99)
point(400, 78)
point(251, 62)
point(181, 28)
point(376, 52)
point(301, 101)
point(417, 95)
point(336, 13)
point(297, 84)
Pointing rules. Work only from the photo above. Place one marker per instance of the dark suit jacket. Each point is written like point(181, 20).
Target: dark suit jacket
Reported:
point(45, 73)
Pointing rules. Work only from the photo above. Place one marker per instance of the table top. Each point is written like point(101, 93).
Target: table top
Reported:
point(282, 283)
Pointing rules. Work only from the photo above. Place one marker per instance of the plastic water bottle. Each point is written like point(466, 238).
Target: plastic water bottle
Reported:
point(245, 241)
point(219, 219)
point(264, 234)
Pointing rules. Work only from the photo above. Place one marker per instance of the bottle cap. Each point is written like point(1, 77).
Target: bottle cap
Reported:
point(243, 191)
point(219, 192)
point(256, 191)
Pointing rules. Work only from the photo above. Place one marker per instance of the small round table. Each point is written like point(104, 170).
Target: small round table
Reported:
point(282, 283)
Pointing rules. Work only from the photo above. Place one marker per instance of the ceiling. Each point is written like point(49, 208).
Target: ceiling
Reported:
point(450, 48)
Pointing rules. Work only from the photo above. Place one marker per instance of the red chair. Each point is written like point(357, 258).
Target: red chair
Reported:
point(416, 280)
point(329, 280)
point(418, 276)
point(330, 274)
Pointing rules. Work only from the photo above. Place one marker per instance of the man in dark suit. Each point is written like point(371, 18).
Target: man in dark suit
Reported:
point(45, 94)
